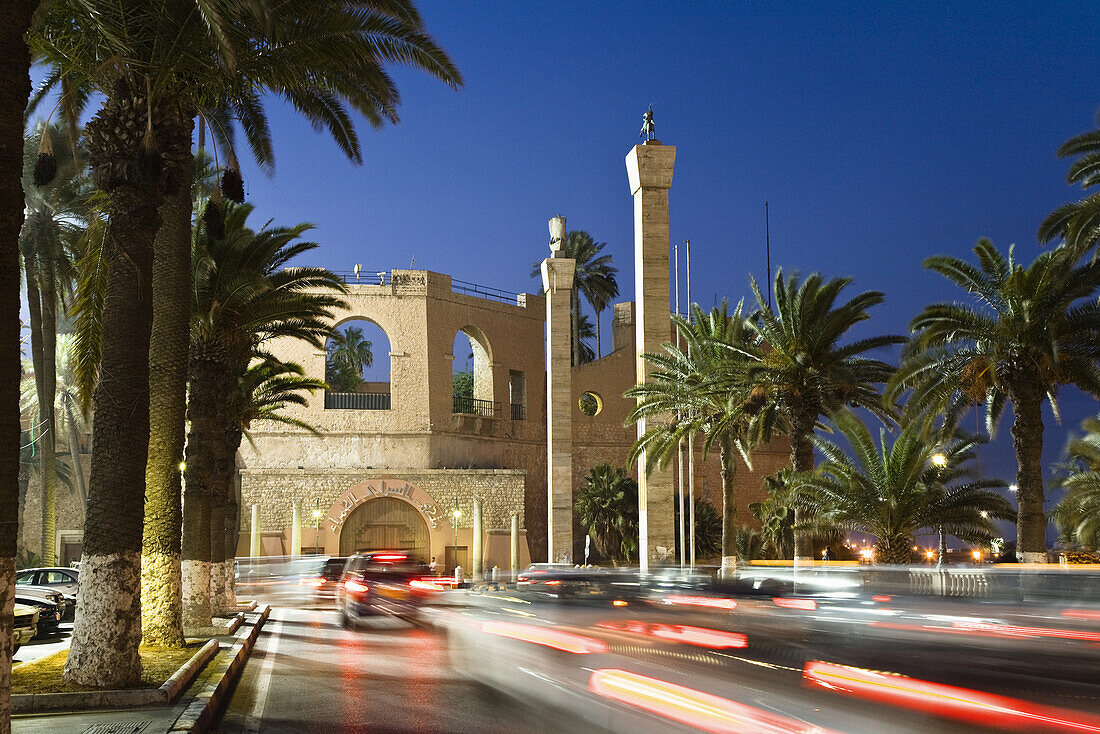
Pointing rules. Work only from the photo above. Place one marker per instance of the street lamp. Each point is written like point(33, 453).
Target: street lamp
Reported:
point(939, 460)
point(317, 515)
point(456, 513)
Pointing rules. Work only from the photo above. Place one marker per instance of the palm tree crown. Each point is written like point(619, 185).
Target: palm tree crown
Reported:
point(800, 370)
point(1030, 330)
point(1077, 515)
point(893, 490)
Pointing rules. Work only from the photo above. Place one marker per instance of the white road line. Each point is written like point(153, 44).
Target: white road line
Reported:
point(263, 682)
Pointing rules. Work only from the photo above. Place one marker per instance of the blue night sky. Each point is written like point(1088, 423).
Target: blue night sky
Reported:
point(879, 133)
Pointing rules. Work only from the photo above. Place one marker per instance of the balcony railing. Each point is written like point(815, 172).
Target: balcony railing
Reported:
point(473, 406)
point(357, 401)
point(519, 412)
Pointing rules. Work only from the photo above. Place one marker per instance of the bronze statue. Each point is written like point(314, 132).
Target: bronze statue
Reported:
point(647, 125)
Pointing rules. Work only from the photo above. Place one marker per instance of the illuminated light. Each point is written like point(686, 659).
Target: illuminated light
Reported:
point(555, 582)
point(929, 554)
point(425, 585)
point(977, 555)
point(1010, 630)
point(618, 603)
point(354, 587)
point(962, 704)
point(867, 554)
point(688, 706)
point(521, 578)
point(698, 636)
point(390, 557)
point(183, 466)
point(881, 597)
point(565, 641)
point(1081, 613)
point(939, 460)
point(314, 582)
point(806, 605)
point(702, 601)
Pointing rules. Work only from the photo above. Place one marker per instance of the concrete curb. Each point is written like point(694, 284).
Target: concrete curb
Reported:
point(198, 716)
point(217, 630)
point(29, 703)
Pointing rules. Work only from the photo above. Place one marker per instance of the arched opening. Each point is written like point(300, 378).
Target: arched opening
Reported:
point(472, 373)
point(386, 523)
point(357, 367)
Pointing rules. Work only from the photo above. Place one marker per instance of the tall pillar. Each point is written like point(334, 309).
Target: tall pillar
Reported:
point(296, 530)
point(477, 560)
point(513, 556)
point(254, 538)
point(649, 170)
point(557, 282)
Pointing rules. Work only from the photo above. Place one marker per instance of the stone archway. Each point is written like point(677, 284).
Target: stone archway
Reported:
point(385, 523)
point(418, 505)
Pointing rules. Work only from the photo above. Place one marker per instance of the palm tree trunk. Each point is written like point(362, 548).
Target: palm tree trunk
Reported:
point(199, 475)
point(729, 507)
point(229, 521)
point(46, 404)
point(161, 565)
point(217, 555)
point(74, 453)
point(107, 632)
point(1027, 438)
point(894, 551)
point(802, 460)
point(15, 88)
point(41, 433)
point(599, 343)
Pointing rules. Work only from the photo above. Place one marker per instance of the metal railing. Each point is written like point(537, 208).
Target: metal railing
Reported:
point(481, 291)
point(473, 406)
point(357, 401)
point(519, 412)
point(365, 277)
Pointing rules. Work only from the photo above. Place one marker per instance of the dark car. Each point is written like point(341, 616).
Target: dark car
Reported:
point(383, 582)
point(48, 604)
point(326, 579)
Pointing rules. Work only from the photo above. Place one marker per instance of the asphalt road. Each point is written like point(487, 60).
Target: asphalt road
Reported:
point(308, 674)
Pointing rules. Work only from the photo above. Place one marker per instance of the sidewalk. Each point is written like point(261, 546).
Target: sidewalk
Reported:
point(204, 692)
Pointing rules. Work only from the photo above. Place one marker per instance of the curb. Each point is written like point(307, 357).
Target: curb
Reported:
point(31, 703)
point(217, 630)
point(198, 716)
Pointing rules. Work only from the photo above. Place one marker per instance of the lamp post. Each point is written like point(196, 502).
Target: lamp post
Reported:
point(456, 513)
point(317, 515)
point(940, 462)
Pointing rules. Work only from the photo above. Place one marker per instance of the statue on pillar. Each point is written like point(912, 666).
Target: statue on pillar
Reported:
point(648, 130)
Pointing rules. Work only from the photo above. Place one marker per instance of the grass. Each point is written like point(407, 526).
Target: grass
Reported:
point(43, 675)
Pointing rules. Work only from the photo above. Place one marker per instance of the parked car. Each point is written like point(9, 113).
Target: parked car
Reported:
point(383, 582)
point(64, 580)
point(26, 624)
point(56, 578)
point(52, 606)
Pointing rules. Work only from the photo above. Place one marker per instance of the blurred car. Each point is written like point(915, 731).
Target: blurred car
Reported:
point(26, 624)
point(564, 583)
point(327, 578)
point(51, 607)
point(64, 580)
point(383, 582)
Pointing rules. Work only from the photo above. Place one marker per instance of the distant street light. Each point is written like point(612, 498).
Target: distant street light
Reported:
point(317, 515)
point(1012, 488)
point(939, 460)
point(456, 513)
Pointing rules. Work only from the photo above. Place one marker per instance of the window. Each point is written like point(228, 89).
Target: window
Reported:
point(27, 577)
point(517, 395)
point(591, 404)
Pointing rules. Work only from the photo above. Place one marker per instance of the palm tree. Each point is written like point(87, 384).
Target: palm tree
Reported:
point(800, 371)
point(892, 491)
point(1077, 515)
point(776, 514)
point(15, 88)
point(48, 241)
point(244, 297)
point(593, 277)
point(607, 505)
point(701, 388)
point(173, 60)
point(1078, 223)
point(1029, 330)
point(262, 393)
point(348, 354)
point(708, 529)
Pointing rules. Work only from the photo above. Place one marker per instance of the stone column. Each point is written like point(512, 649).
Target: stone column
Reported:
point(254, 530)
point(557, 282)
point(296, 530)
point(477, 561)
point(513, 557)
point(649, 170)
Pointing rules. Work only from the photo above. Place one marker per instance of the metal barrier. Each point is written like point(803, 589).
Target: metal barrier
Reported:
point(357, 401)
point(473, 406)
point(519, 412)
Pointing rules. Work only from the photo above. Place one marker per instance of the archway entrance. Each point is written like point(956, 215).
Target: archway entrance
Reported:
point(385, 523)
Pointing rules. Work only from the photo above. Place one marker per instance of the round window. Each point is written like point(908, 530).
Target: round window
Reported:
point(591, 404)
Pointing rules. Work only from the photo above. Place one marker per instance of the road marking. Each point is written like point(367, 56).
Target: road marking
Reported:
point(263, 682)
